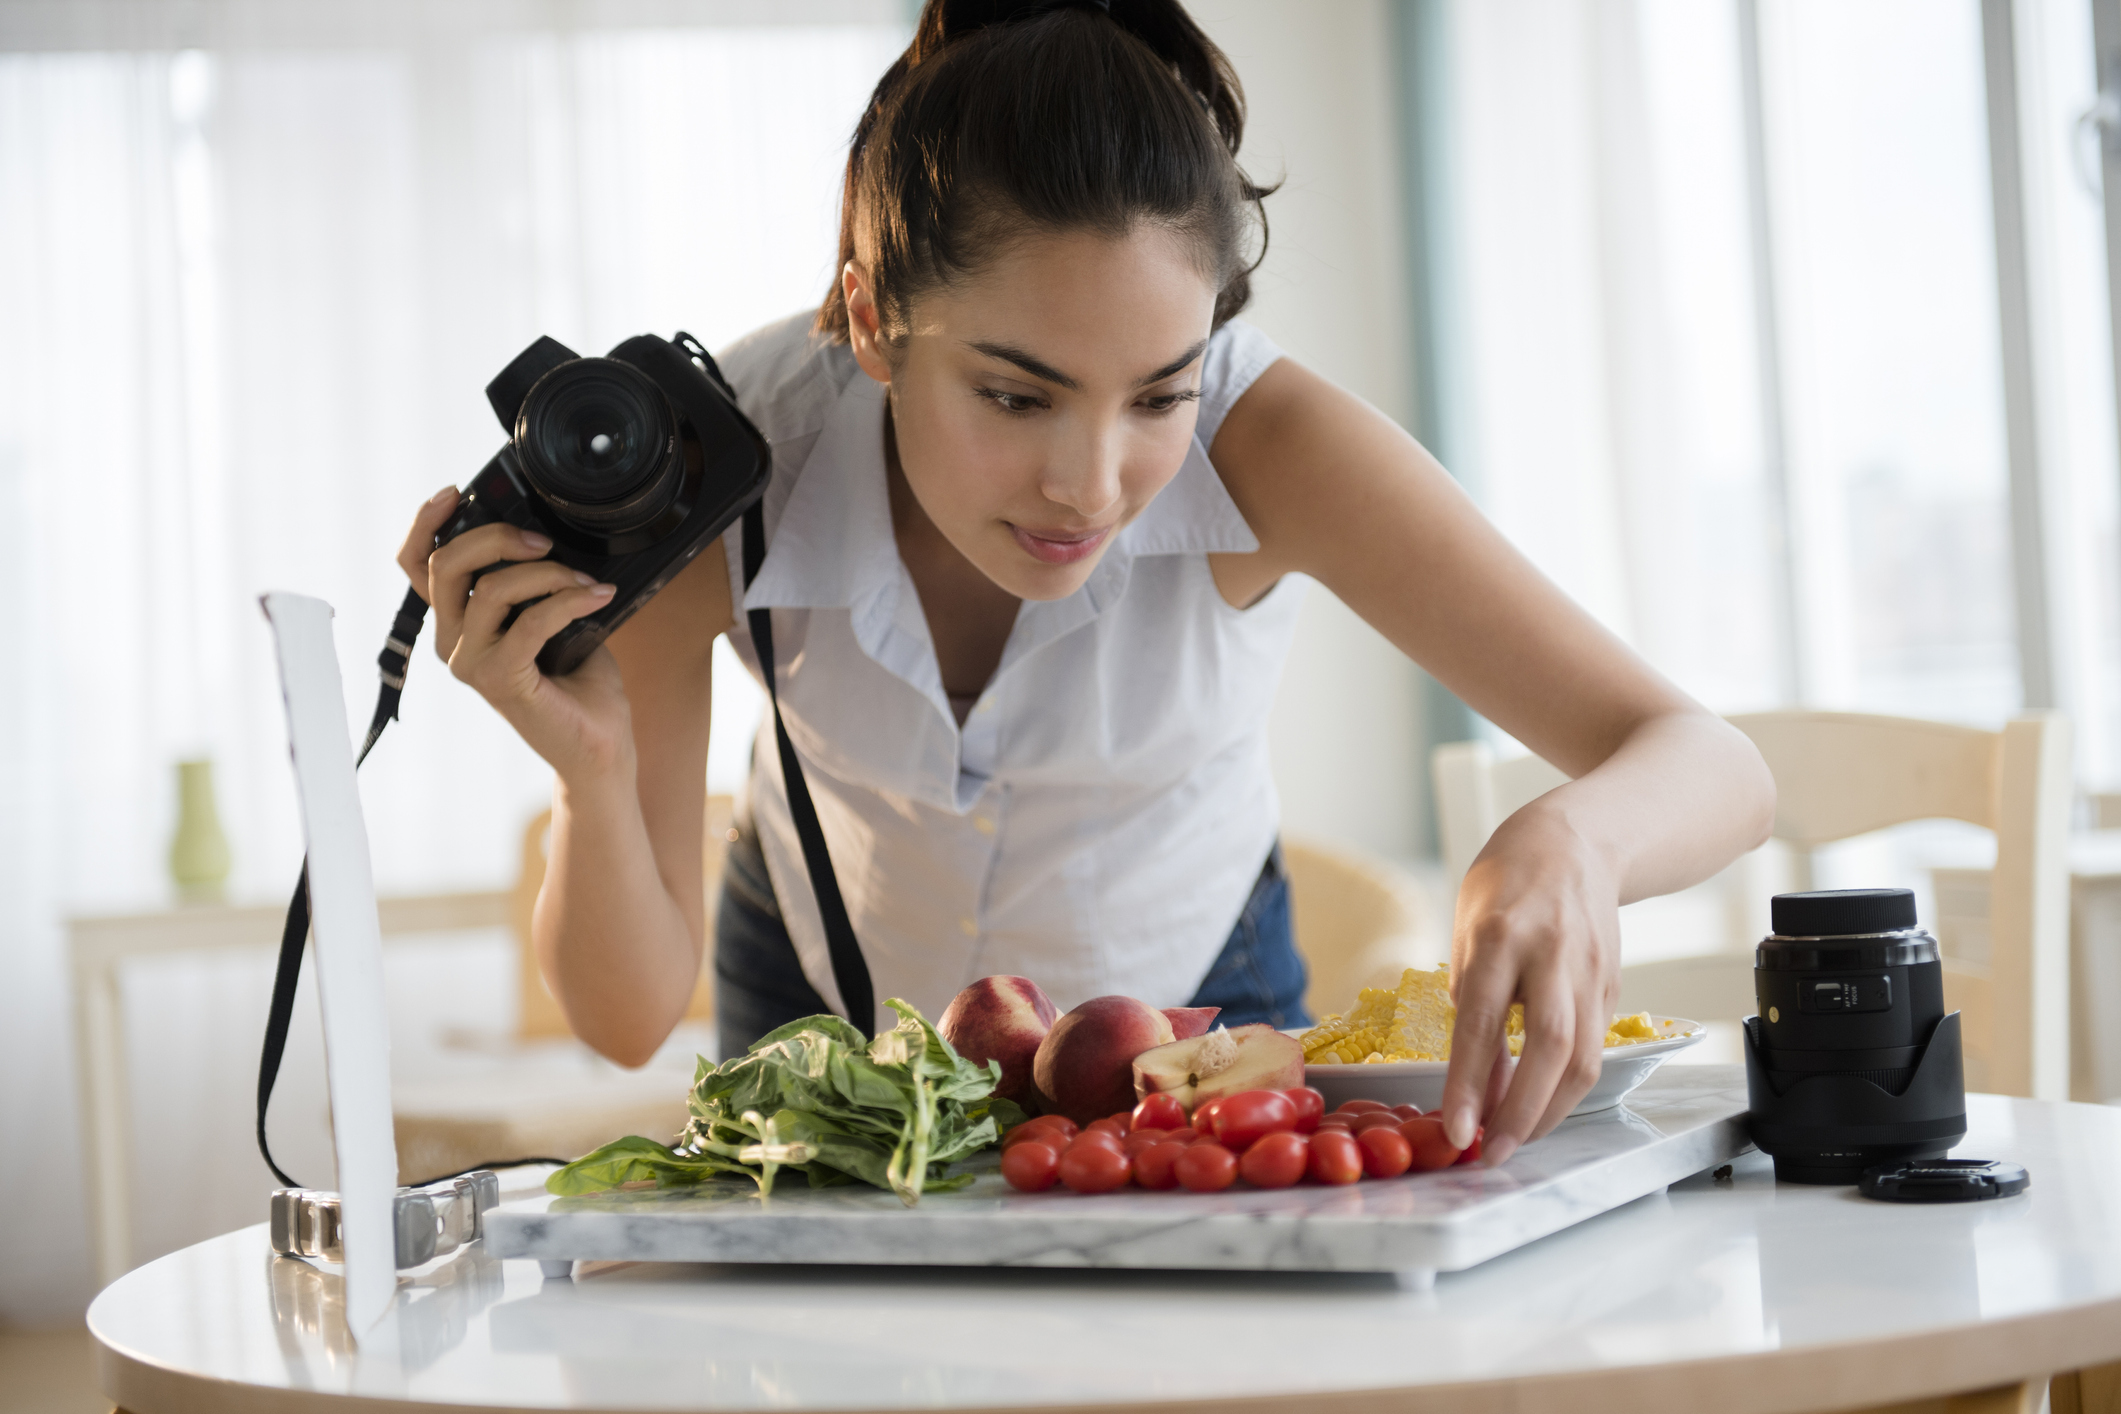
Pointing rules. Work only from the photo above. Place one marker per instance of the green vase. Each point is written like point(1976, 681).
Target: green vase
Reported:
point(198, 854)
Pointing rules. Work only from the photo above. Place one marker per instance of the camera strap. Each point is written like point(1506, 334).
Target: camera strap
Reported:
point(849, 969)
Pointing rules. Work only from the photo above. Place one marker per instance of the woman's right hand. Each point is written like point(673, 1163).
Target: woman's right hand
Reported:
point(579, 723)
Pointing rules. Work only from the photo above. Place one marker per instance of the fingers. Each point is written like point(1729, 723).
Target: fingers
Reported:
point(538, 623)
point(451, 567)
point(434, 513)
point(504, 664)
point(1586, 1057)
point(1478, 1047)
point(1550, 1025)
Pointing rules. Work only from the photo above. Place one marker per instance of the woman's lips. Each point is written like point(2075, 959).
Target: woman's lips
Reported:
point(1057, 547)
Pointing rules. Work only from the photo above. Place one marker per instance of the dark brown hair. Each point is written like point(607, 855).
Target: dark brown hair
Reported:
point(1003, 119)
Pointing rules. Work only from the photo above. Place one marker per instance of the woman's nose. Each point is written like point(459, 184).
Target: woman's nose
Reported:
point(1084, 475)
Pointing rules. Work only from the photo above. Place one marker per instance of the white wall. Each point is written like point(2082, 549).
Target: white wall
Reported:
point(1333, 293)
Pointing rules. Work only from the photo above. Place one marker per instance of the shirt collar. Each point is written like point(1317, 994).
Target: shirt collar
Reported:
point(833, 546)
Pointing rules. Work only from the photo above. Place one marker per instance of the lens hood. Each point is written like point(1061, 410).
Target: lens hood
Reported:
point(1829, 1126)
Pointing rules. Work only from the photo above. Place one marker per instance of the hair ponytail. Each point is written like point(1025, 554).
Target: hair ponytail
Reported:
point(1006, 117)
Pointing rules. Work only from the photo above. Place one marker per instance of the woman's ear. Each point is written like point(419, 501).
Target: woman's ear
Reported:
point(864, 325)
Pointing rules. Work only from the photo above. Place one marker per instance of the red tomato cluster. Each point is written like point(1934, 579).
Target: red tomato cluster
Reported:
point(1269, 1138)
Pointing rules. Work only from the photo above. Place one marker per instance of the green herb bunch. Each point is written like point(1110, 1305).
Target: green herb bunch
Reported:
point(819, 1097)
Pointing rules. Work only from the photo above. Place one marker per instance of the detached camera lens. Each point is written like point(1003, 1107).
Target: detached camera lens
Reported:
point(1852, 1061)
point(598, 441)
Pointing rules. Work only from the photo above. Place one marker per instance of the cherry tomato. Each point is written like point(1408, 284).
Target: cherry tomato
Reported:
point(1361, 1107)
point(1406, 1112)
point(1275, 1160)
point(1101, 1138)
point(1123, 1118)
point(1472, 1153)
point(1385, 1153)
point(1157, 1166)
point(1377, 1120)
point(1246, 1118)
point(1030, 1168)
point(1106, 1126)
point(1310, 1107)
point(1335, 1157)
point(1206, 1168)
point(1184, 1134)
point(1427, 1147)
point(1204, 1116)
point(1344, 1123)
point(1040, 1129)
point(1093, 1168)
point(1140, 1139)
point(1159, 1112)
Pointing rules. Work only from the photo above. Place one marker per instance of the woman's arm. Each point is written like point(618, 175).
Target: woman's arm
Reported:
point(620, 923)
point(1664, 793)
point(620, 926)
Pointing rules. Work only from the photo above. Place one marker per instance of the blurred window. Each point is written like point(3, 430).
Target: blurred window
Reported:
point(1744, 399)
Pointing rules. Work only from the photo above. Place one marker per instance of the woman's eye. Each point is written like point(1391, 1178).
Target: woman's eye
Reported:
point(1166, 402)
point(1010, 402)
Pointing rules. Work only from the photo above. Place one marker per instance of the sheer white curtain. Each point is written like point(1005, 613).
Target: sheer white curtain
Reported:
point(1617, 422)
point(253, 278)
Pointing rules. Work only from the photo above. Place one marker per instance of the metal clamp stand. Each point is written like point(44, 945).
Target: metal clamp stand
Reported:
point(431, 1222)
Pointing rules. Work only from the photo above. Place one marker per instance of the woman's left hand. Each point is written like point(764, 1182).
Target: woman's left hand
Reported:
point(1538, 922)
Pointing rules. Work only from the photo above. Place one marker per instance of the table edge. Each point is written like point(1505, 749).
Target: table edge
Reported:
point(1802, 1380)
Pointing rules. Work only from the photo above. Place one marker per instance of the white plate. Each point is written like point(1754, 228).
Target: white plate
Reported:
point(1421, 1082)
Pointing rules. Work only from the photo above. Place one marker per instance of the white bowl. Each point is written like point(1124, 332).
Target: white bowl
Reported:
point(1421, 1082)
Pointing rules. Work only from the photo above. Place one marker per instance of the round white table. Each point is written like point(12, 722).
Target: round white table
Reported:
point(1736, 1294)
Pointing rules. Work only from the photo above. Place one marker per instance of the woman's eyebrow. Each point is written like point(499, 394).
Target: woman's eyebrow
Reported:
point(1174, 365)
point(1039, 368)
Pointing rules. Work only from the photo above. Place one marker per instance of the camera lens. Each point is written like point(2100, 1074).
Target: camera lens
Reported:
point(598, 441)
point(1852, 1060)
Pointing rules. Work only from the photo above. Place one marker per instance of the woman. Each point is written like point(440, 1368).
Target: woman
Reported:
point(1034, 505)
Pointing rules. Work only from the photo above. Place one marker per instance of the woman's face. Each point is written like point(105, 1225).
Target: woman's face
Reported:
point(1039, 406)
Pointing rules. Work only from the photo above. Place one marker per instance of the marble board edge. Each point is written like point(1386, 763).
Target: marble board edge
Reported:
point(1258, 1234)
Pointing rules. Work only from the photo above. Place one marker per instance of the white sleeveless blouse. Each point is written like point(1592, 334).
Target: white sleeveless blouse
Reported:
point(1098, 822)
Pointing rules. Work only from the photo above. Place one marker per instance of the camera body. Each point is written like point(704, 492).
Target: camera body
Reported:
point(631, 464)
point(1852, 1061)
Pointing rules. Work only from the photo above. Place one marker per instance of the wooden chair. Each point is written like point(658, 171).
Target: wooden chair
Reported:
point(1359, 922)
point(1839, 775)
point(546, 1094)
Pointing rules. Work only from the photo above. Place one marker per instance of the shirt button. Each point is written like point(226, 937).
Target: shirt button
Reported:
point(983, 824)
point(969, 928)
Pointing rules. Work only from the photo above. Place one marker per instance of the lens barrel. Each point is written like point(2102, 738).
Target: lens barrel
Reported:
point(599, 443)
point(1852, 1060)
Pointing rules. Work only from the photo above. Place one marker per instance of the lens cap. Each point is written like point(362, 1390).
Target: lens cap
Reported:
point(1943, 1181)
point(1841, 913)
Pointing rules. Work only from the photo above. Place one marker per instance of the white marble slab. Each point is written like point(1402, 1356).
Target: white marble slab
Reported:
point(1683, 1120)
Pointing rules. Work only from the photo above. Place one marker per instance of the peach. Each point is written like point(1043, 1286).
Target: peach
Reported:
point(1001, 1019)
point(1084, 1068)
point(1190, 1021)
point(1223, 1062)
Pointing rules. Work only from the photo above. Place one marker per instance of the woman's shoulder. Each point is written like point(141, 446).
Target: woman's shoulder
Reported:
point(786, 376)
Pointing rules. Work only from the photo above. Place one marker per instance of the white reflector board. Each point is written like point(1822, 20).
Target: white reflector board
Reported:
point(349, 951)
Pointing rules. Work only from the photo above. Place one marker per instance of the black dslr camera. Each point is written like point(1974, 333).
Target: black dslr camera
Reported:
point(631, 463)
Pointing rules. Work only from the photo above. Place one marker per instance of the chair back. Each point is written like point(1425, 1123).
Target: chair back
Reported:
point(1843, 774)
point(1358, 921)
